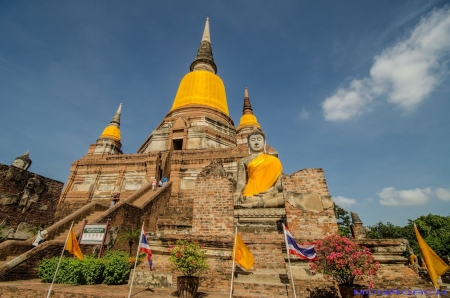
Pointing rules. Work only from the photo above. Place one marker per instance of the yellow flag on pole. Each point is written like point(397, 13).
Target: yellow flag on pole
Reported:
point(72, 245)
point(242, 254)
point(435, 265)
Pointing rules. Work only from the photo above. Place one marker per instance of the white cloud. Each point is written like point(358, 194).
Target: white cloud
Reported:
point(443, 194)
point(348, 103)
point(304, 114)
point(392, 197)
point(406, 72)
point(343, 201)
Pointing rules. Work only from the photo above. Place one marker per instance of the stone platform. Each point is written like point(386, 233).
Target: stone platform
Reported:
point(35, 288)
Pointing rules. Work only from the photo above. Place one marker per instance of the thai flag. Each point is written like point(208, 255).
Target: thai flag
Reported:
point(145, 248)
point(305, 252)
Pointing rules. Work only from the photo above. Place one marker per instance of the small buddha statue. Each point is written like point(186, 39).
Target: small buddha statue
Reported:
point(258, 177)
point(23, 162)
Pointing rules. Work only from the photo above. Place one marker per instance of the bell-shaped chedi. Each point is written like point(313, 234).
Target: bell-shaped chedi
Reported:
point(109, 140)
point(248, 119)
point(199, 116)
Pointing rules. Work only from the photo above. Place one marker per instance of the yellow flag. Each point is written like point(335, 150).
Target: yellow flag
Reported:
point(435, 266)
point(242, 255)
point(72, 245)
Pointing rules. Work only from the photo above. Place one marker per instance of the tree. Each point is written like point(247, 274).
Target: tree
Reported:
point(130, 236)
point(385, 231)
point(434, 229)
point(343, 221)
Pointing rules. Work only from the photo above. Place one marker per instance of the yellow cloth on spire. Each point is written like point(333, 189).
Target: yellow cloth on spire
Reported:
point(248, 120)
point(263, 171)
point(201, 88)
point(242, 254)
point(111, 131)
point(72, 245)
point(435, 265)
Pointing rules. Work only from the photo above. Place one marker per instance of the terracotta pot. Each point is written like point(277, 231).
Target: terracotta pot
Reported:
point(187, 286)
point(349, 291)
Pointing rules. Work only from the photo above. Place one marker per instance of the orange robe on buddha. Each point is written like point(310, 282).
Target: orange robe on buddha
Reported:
point(263, 171)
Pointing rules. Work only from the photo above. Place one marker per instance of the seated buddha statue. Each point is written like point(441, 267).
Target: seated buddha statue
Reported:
point(258, 177)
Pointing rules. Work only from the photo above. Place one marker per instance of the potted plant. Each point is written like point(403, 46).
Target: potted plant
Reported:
point(189, 258)
point(344, 261)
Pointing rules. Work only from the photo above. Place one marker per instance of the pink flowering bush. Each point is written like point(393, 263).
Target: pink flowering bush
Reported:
point(344, 260)
point(188, 257)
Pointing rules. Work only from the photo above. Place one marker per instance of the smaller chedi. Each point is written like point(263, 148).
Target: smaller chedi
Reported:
point(258, 176)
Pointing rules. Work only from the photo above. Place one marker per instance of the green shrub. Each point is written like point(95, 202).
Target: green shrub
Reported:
point(47, 268)
point(113, 269)
point(93, 269)
point(70, 271)
point(115, 254)
point(117, 268)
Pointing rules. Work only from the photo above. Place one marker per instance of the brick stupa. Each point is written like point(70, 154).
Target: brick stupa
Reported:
point(197, 147)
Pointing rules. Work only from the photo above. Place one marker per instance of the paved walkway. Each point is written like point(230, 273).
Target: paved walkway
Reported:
point(35, 288)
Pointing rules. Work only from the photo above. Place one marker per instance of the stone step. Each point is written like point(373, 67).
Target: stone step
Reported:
point(261, 290)
point(263, 279)
point(144, 197)
point(270, 276)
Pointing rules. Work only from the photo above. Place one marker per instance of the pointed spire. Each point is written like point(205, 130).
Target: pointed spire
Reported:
point(27, 153)
point(204, 59)
point(248, 119)
point(206, 36)
point(116, 119)
point(247, 106)
point(113, 129)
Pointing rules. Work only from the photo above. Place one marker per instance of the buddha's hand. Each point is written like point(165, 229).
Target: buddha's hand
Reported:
point(237, 198)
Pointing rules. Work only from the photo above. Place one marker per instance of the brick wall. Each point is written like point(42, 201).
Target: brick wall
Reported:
point(40, 212)
point(304, 224)
point(27, 270)
point(213, 211)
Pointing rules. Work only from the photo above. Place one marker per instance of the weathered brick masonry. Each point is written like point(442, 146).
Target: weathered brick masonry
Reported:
point(12, 187)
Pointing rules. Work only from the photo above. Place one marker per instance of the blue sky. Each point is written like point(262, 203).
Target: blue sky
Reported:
point(358, 88)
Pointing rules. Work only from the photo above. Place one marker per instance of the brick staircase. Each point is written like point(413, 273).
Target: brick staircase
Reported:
point(262, 283)
point(15, 255)
point(58, 236)
point(143, 198)
point(269, 277)
point(77, 226)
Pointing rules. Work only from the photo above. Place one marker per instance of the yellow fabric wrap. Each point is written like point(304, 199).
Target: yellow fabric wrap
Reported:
point(201, 88)
point(111, 132)
point(263, 171)
point(248, 120)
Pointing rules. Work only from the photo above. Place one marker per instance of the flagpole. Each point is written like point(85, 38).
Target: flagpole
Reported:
point(233, 257)
point(135, 261)
point(59, 262)
point(289, 259)
point(436, 290)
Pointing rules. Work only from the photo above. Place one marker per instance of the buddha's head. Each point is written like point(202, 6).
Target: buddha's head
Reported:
point(22, 162)
point(256, 141)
